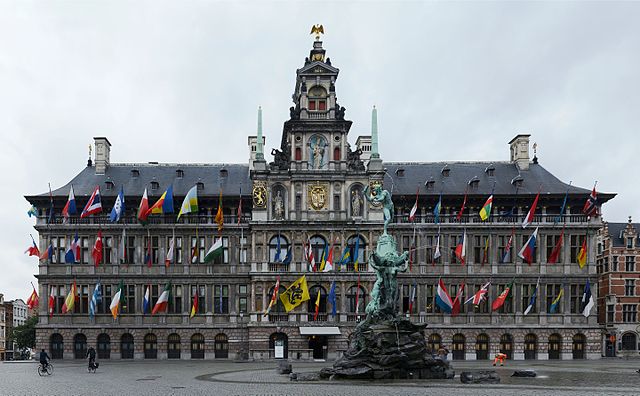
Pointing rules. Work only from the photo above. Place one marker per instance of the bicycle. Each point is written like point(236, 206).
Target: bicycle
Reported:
point(45, 369)
point(93, 366)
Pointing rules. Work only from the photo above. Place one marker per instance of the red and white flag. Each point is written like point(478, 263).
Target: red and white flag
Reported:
point(529, 217)
point(94, 205)
point(414, 210)
point(455, 310)
point(96, 253)
point(461, 248)
point(480, 295)
point(52, 303)
point(169, 257)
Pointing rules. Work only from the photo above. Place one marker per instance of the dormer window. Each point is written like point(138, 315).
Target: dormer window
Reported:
point(430, 184)
point(490, 170)
point(179, 173)
point(135, 173)
point(109, 185)
point(224, 173)
point(629, 242)
point(517, 181)
point(317, 99)
point(474, 182)
point(200, 186)
point(155, 185)
point(400, 172)
point(445, 171)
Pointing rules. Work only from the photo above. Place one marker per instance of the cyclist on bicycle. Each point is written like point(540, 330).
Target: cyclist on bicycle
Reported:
point(91, 354)
point(44, 359)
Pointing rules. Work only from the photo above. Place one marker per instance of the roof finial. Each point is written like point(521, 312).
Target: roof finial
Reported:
point(317, 29)
point(374, 133)
point(535, 157)
point(259, 149)
point(89, 160)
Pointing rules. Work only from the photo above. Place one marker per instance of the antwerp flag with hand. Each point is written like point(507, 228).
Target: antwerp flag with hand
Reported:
point(296, 294)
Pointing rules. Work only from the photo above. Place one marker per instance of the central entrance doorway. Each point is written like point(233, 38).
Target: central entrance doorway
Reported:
point(319, 345)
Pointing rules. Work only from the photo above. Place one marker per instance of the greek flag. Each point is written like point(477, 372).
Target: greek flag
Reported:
point(95, 299)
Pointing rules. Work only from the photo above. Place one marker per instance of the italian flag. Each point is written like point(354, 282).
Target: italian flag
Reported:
point(163, 300)
point(214, 251)
point(485, 212)
point(498, 302)
point(115, 301)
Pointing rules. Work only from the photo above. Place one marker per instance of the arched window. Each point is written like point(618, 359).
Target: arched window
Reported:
point(336, 154)
point(104, 346)
point(482, 347)
point(458, 347)
point(555, 346)
point(279, 340)
point(150, 346)
point(357, 253)
point(298, 152)
point(530, 346)
point(197, 346)
point(317, 98)
point(126, 346)
point(506, 345)
point(357, 299)
point(579, 342)
point(79, 346)
point(221, 346)
point(629, 341)
point(434, 341)
point(173, 346)
point(278, 246)
point(318, 244)
point(57, 346)
point(311, 304)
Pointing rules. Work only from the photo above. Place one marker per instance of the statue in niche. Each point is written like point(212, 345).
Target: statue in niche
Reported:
point(278, 206)
point(356, 203)
point(317, 151)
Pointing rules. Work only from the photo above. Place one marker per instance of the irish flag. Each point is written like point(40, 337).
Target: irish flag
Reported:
point(485, 212)
point(214, 251)
point(163, 300)
point(190, 203)
point(115, 301)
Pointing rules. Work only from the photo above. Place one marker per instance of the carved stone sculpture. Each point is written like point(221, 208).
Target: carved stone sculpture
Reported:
point(356, 203)
point(278, 206)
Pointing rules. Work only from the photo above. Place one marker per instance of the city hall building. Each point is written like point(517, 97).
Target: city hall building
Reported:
point(311, 189)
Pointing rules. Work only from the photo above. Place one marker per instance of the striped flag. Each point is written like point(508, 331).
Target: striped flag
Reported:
point(532, 211)
point(94, 205)
point(414, 209)
point(95, 299)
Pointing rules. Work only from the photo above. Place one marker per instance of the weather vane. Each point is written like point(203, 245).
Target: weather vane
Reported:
point(317, 29)
point(89, 151)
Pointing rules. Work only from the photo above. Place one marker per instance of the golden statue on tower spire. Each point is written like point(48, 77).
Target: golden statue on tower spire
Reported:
point(317, 29)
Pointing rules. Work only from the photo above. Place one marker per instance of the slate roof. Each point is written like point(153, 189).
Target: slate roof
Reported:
point(615, 233)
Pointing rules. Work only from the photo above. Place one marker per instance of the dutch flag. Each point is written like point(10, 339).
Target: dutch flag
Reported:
point(443, 300)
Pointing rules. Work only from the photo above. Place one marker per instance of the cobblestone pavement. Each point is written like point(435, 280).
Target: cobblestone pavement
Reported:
point(586, 378)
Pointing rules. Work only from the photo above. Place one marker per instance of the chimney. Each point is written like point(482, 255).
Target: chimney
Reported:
point(103, 149)
point(519, 147)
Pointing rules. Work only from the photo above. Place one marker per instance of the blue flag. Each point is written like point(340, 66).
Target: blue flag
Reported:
point(332, 298)
point(118, 207)
point(287, 259)
point(276, 258)
point(95, 299)
point(436, 210)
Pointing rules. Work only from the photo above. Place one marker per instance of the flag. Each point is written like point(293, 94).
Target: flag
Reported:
point(52, 303)
point(587, 300)
point(346, 257)
point(323, 258)
point(480, 295)
point(564, 205)
point(190, 203)
point(148, 256)
point(332, 299)
point(164, 204)
point(195, 250)
point(582, 253)
point(485, 253)
point(328, 265)
point(70, 206)
point(52, 215)
point(94, 205)
point(214, 251)
point(274, 297)
point(69, 256)
point(69, 302)
point(414, 209)
point(464, 203)
point(33, 299)
point(47, 254)
point(72, 255)
point(240, 207)
point(499, 301)
point(115, 301)
point(315, 315)
point(412, 297)
point(591, 206)
point(123, 247)
point(532, 300)
point(506, 257)
point(436, 253)
point(143, 209)
point(532, 211)
point(485, 212)
point(33, 211)
point(356, 254)
point(219, 215)
point(443, 300)
point(555, 253)
point(288, 257)
point(169, 258)
point(528, 251)
point(554, 305)
point(276, 257)
point(461, 248)
point(163, 300)
point(33, 249)
point(194, 304)
point(95, 299)
point(118, 207)
point(96, 253)
point(146, 301)
point(296, 294)
point(455, 309)
point(308, 252)
point(436, 210)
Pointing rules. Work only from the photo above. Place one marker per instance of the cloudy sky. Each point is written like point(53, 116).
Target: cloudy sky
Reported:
point(181, 82)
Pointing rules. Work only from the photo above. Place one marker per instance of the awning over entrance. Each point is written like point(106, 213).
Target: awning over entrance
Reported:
point(319, 331)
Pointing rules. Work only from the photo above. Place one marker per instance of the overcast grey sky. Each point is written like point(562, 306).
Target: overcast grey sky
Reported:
point(181, 82)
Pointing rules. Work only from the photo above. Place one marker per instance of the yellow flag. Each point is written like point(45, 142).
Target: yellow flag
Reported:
point(582, 254)
point(296, 294)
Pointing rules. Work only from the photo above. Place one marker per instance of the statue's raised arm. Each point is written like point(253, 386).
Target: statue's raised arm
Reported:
point(380, 196)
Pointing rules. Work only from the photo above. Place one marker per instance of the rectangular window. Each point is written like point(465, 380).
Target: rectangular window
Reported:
point(576, 298)
point(242, 299)
point(106, 249)
point(198, 246)
point(131, 250)
point(527, 292)
point(430, 248)
point(84, 250)
point(298, 197)
point(105, 301)
point(629, 242)
point(453, 292)
point(82, 302)
point(155, 292)
point(430, 306)
point(503, 241)
point(629, 313)
point(60, 294)
point(129, 306)
point(614, 263)
point(452, 248)
point(312, 105)
point(176, 300)
point(336, 202)
point(576, 244)
point(202, 302)
point(177, 249)
point(322, 105)
point(629, 287)
point(242, 250)
point(553, 291)
point(630, 263)
point(507, 307)
point(481, 249)
point(224, 257)
point(59, 247)
point(610, 313)
point(552, 241)
point(606, 264)
point(221, 299)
